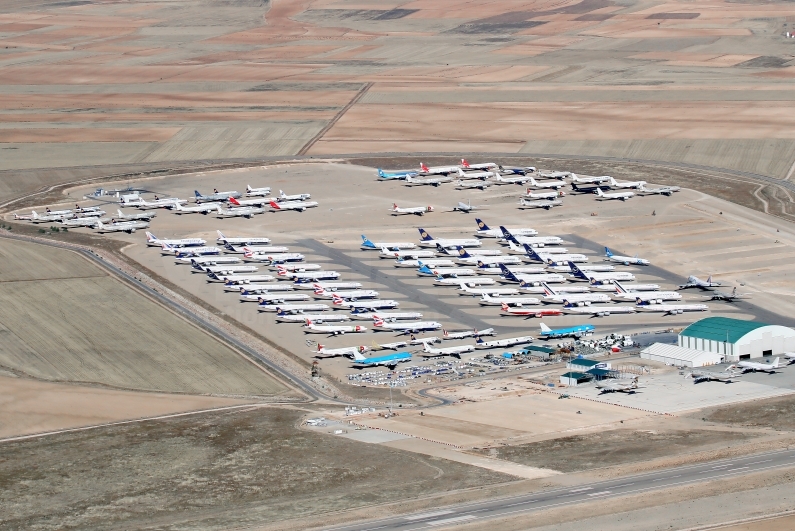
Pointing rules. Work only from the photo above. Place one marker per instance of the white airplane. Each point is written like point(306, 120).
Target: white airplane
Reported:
point(389, 317)
point(538, 242)
point(456, 351)
point(496, 269)
point(389, 346)
point(255, 192)
point(332, 286)
point(332, 330)
point(123, 226)
point(167, 202)
point(323, 352)
point(463, 334)
point(465, 257)
point(224, 269)
point(138, 216)
point(294, 197)
point(208, 260)
point(299, 206)
point(502, 343)
point(408, 327)
point(244, 288)
point(278, 259)
point(553, 297)
point(238, 278)
point(533, 286)
point(718, 295)
point(510, 236)
point(426, 240)
point(626, 184)
point(626, 260)
point(554, 194)
point(433, 181)
point(258, 202)
point(695, 282)
point(49, 217)
point(554, 174)
point(481, 166)
point(273, 298)
point(466, 291)
point(586, 179)
point(367, 245)
point(417, 211)
point(309, 277)
point(445, 272)
point(594, 268)
point(252, 256)
point(664, 190)
point(466, 175)
point(618, 386)
point(439, 169)
point(622, 196)
point(553, 259)
point(22, 217)
point(83, 222)
point(244, 240)
point(451, 251)
point(414, 254)
point(753, 366)
point(378, 304)
point(246, 212)
point(255, 249)
point(500, 180)
point(352, 295)
point(458, 282)
point(670, 309)
point(465, 207)
point(183, 252)
point(215, 196)
point(433, 262)
point(597, 311)
point(541, 203)
point(485, 232)
point(317, 318)
point(544, 184)
point(528, 312)
point(653, 297)
point(528, 282)
point(468, 185)
point(198, 208)
point(293, 308)
point(709, 376)
point(599, 278)
point(488, 300)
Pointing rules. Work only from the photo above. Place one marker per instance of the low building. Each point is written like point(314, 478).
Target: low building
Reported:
point(737, 339)
point(585, 365)
point(573, 379)
point(680, 356)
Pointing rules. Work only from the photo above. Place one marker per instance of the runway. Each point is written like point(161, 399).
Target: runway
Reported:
point(479, 511)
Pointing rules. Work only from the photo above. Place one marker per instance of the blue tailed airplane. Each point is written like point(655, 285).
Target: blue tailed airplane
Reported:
point(572, 331)
point(390, 360)
point(393, 175)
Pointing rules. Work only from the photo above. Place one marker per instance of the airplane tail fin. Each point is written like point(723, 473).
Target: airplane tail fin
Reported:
point(462, 252)
point(545, 329)
point(608, 253)
point(775, 363)
point(234, 201)
point(358, 356)
point(547, 289)
point(424, 236)
point(150, 237)
point(532, 253)
point(377, 321)
point(423, 167)
point(196, 193)
point(275, 205)
point(121, 214)
point(425, 269)
point(464, 163)
point(619, 287)
point(481, 224)
point(479, 340)
point(709, 279)
point(576, 271)
point(220, 235)
point(599, 192)
point(505, 307)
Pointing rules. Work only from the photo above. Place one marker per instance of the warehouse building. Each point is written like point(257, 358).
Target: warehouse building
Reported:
point(736, 339)
point(680, 356)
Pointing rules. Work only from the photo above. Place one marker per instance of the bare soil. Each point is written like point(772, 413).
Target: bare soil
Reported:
point(775, 413)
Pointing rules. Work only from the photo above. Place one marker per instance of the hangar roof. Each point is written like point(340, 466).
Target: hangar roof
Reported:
point(721, 329)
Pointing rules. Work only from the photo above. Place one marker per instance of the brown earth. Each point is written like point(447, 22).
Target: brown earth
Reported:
point(775, 413)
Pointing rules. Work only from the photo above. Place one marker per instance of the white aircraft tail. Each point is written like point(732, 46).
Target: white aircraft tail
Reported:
point(151, 237)
point(599, 192)
point(619, 287)
point(775, 363)
point(121, 214)
point(220, 235)
point(545, 329)
point(34, 214)
point(358, 356)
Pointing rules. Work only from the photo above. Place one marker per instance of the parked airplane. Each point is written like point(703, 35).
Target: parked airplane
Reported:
point(293, 308)
point(589, 179)
point(255, 249)
point(465, 175)
point(553, 297)
point(123, 226)
point(257, 192)
point(754, 366)
point(352, 295)
point(199, 208)
point(390, 360)
point(223, 269)
point(599, 278)
point(528, 312)
point(553, 259)
point(182, 252)
point(277, 259)
point(708, 376)
point(432, 181)
point(242, 240)
point(463, 334)
point(426, 240)
point(502, 343)
point(626, 184)
point(626, 260)
point(83, 222)
point(654, 297)
point(670, 309)
point(138, 216)
point(571, 331)
point(456, 351)
point(323, 352)
point(664, 190)
point(415, 254)
point(488, 300)
point(466, 258)
point(409, 327)
point(295, 197)
point(424, 262)
point(618, 386)
point(417, 211)
point(541, 203)
point(201, 261)
point(500, 180)
point(445, 272)
point(273, 298)
point(545, 184)
point(378, 304)
point(299, 206)
point(216, 196)
point(623, 196)
point(521, 270)
point(597, 311)
point(317, 318)
point(466, 281)
point(367, 315)
point(531, 279)
point(466, 291)
point(534, 286)
point(439, 169)
point(167, 202)
point(594, 268)
point(554, 194)
point(332, 330)
point(554, 174)
point(298, 267)
point(728, 297)
point(332, 286)
point(396, 175)
point(257, 201)
point(367, 245)
point(513, 170)
point(466, 207)
point(634, 288)
point(485, 232)
point(310, 277)
point(236, 276)
point(49, 217)
point(695, 282)
point(246, 212)
point(244, 288)
point(481, 166)
point(453, 251)
point(516, 245)
point(388, 346)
